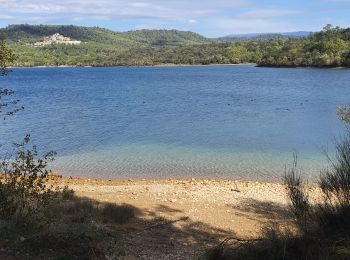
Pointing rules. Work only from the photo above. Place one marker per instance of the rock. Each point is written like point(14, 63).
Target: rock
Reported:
point(56, 39)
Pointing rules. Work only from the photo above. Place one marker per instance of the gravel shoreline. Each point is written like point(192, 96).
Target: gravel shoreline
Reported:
point(199, 213)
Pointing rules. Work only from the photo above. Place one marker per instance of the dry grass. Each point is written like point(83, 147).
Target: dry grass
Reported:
point(71, 228)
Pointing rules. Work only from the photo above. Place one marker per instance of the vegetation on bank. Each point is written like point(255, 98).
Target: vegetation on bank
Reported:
point(101, 47)
point(8, 106)
point(7, 56)
point(328, 48)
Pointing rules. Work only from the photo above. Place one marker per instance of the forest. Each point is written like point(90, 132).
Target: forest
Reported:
point(101, 47)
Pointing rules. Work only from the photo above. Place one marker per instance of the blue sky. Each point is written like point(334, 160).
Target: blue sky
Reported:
point(211, 18)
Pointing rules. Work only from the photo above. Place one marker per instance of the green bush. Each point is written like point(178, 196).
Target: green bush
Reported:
point(23, 185)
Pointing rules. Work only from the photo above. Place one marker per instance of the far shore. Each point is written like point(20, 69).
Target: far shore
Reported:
point(179, 65)
point(137, 66)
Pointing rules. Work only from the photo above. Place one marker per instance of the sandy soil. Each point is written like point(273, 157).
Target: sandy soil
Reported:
point(180, 219)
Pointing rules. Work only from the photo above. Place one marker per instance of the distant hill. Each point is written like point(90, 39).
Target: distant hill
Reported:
point(301, 34)
point(24, 33)
point(93, 46)
point(266, 36)
point(160, 38)
point(55, 45)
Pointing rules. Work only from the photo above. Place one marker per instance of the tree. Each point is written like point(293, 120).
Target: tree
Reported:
point(7, 57)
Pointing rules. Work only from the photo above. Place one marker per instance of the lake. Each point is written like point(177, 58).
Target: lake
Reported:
point(178, 122)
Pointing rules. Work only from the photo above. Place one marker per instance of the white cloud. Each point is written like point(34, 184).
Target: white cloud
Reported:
point(180, 10)
point(268, 13)
point(139, 4)
point(6, 17)
point(209, 17)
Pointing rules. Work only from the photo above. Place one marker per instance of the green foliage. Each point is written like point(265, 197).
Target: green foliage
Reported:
point(25, 33)
point(161, 38)
point(23, 189)
point(204, 54)
point(8, 106)
point(79, 228)
point(101, 47)
point(7, 56)
point(335, 180)
point(328, 48)
point(324, 227)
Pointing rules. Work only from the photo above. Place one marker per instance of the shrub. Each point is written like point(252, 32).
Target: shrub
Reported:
point(335, 181)
point(324, 227)
point(301, 207)
point(85, 210)
point(23, 184)
point(344, 113)
point(113, 213)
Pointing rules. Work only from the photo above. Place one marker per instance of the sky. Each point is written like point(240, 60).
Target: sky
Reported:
point(211, 18)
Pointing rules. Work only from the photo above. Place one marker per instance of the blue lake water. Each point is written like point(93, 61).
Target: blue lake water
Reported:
point(179, 122)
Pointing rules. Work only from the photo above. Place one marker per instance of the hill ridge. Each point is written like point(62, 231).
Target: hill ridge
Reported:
point(158, 37)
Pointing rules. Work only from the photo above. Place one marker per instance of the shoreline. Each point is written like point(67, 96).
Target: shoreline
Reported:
point(182, 65)
point(134, 66)
point(57, 179)
point(125, 181)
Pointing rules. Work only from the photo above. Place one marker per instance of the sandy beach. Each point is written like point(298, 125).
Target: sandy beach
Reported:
point(181, 219)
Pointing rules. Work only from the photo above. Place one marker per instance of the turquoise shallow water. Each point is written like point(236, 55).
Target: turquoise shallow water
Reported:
point(179, 122)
